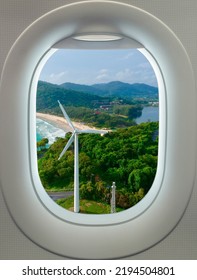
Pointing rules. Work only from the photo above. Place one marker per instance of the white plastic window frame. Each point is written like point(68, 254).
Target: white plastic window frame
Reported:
point(100, 219)
point(97, 236)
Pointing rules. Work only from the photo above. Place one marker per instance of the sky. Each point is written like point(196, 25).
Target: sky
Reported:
point(98, 66)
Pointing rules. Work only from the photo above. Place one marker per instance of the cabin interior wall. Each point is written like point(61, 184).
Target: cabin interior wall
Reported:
point(180, 16)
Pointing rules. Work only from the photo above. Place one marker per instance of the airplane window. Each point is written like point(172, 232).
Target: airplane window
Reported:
point(41, 219)
point(97, 129)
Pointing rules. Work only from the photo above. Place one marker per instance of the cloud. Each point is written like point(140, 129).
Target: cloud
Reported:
point(145, 65)
point(103, 75)
point(128, 56)
point(124, 75)
point(58, 78)
point(143, 75)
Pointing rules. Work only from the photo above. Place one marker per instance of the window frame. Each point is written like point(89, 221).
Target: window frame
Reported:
point(150, 220)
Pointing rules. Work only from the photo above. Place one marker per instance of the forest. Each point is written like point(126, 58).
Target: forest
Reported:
point(100, 111)
point(127, 156)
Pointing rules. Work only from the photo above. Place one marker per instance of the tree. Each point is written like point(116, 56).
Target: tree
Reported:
point(127, 156)
point(41, 145)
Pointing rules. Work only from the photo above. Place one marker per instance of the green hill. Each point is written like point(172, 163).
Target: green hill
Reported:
point(48, 94)
point(92, 109)
point(84, 88)
point(116, 89)
point(126, 156)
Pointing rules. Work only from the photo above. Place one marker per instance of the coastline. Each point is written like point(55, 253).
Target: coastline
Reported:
point(61, 123)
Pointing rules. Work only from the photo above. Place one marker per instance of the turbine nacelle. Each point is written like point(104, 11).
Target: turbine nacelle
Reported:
point(75, 131)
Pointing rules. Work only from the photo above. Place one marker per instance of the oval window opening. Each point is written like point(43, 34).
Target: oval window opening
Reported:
point(52, 227)
point(97, 129)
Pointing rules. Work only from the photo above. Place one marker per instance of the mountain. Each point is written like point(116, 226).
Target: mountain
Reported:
point(84, 88)
point(126, 90)
point(48, 94)
point(89, 96)
point(115, 88)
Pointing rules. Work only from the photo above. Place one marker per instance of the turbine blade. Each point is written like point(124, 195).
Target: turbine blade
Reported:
point(95, 131)
point(66, 116)
point(67, 146)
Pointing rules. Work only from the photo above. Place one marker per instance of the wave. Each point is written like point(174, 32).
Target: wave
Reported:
point(47, 130)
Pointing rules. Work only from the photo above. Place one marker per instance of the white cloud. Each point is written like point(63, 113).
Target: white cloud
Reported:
point(124, 75)
point(58, 78)
point(103, 75)
point(145, 65)
point(128, 56)
point(131, 76)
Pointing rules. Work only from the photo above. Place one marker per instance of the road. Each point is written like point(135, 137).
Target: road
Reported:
point(59, 195)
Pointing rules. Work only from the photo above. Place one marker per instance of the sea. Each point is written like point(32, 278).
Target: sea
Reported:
point(47, 130)
point(149, 113)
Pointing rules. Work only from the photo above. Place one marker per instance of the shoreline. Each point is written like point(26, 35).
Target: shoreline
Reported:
point(61, 123)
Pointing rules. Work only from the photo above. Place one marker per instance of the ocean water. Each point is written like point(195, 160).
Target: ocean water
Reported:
point(149, 114)
point(47, 130)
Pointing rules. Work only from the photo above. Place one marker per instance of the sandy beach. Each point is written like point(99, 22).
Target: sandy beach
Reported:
point(61, 122)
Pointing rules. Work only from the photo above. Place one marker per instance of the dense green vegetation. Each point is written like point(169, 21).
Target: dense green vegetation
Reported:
point(127, 156)
point(101, 119)
point(48, 94)
point(85, 107)
point(116, 88)
point(130, 111)
point(41, 145)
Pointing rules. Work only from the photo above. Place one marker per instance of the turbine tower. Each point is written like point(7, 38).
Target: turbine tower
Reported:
point(74, 137)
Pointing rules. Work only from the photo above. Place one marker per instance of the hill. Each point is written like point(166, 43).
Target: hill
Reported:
point(77, 95)
point(116, 104)
point(84, 88)
point(48, 94)
point(126, 156)
point(116, 88)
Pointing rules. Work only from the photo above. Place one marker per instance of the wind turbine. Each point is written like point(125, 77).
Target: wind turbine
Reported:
point(74, 137)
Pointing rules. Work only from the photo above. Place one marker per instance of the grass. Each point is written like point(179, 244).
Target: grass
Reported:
point(86, 206)
point(57, 189)
point(58, 186)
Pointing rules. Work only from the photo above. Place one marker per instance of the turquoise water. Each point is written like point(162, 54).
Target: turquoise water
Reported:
point(47, 130)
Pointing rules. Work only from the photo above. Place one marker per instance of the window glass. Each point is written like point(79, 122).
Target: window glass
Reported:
point(108, 100)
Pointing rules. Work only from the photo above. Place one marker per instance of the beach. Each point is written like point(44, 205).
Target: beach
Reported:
point(61, 123)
